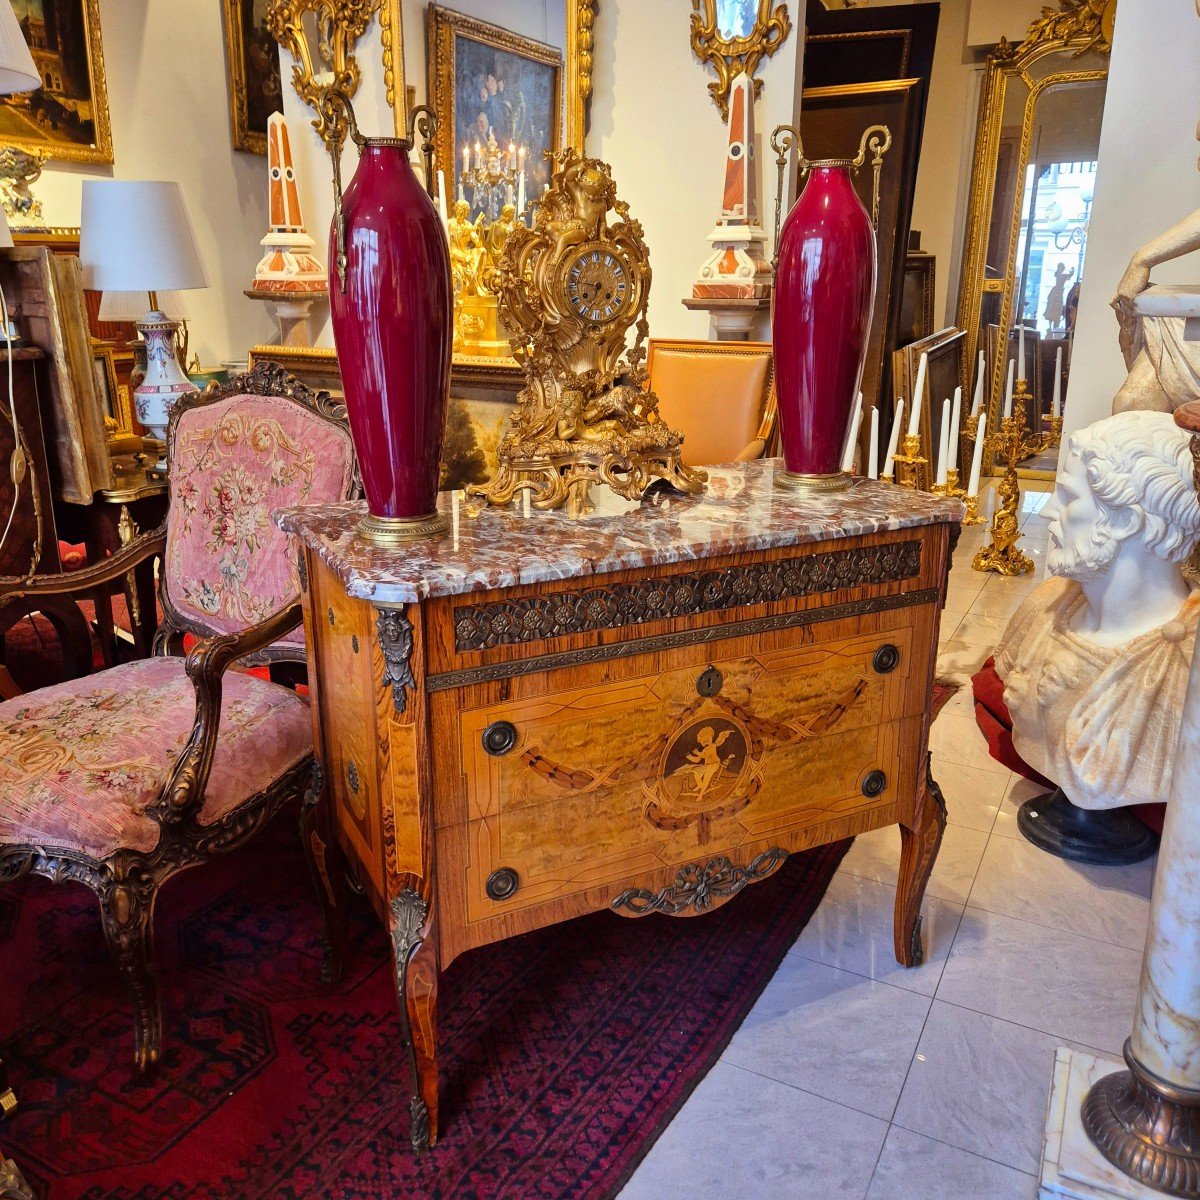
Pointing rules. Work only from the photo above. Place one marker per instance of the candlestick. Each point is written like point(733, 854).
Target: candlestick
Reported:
point(889, 468)
point(955, 429)
point(977, 402)
point(914, 418)
point(852, 435)
point(977, 456)
point(943, 445)
point(873, 449)
point(1008, 391)
point(1056, 401)
point(1002, 553)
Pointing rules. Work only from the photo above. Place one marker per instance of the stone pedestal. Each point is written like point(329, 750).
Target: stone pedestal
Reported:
point(293, 311)
point(1072, 1168)
point(733, 319)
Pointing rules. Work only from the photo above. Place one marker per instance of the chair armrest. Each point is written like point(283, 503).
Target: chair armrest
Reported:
point(87, 579)
point(207, 663)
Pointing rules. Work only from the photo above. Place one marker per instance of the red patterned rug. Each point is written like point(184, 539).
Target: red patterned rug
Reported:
point(565, 1052)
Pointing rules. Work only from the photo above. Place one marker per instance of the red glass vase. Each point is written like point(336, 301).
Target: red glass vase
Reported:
point(824, 296)
point(393, 322)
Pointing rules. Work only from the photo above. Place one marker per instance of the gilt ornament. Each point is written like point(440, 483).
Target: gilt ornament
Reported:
point(571, 288)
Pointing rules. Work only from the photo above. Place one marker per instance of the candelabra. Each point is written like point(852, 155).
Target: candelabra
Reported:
point(909, 467)
point(494, 179)
point(1002, 554)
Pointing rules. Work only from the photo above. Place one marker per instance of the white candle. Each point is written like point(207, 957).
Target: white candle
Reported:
point(977, 457)
point(943, 459)
point(955, 427)
point(852, 435)
point(873, 449)
point(1008, 391)
point(1021, 353)
point(1056, 402)
point(521, 192)
point(443, 207)
point(977, 401)
point(914, 418)
point(454, 515)
point(525, 503)
point(889, 468)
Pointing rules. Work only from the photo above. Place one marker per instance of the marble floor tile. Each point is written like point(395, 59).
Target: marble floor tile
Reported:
point(1112, 904)
point(852, 929)
point(838, 1035)
point(980, 1084)
point(998, 602)
point(876, 855)
point(1020, 789)
point(957, 738)
point(913, 1167)
point(1064, 985)
point(973, 796)
point(741, 1136)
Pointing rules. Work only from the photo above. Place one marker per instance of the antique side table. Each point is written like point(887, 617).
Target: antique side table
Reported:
point(533, 718)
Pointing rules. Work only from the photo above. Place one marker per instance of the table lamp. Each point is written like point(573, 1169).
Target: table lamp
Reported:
point(135, 236)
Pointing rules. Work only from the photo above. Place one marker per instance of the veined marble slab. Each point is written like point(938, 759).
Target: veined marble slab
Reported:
point(495, 548)
point(1072, 1168)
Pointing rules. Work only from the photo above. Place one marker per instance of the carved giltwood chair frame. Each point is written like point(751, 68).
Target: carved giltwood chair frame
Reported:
point(126, 881)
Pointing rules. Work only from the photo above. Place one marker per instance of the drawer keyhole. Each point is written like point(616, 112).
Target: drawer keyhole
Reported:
point(499, 738)
point(874, 784)
point(709, 682)
point(887, 659)
point(502, 884)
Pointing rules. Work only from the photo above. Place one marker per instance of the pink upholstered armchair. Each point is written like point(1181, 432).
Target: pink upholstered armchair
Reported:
point(121, 779)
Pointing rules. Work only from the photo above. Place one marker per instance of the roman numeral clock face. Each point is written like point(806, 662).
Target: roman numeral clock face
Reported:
point(597, 286)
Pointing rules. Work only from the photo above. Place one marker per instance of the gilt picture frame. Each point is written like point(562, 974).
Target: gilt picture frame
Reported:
point(67, 118)
point(523, 82)
point(252, 74)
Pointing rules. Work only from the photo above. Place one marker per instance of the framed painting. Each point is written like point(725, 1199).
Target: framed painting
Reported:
point(488, 81)
point(67, 117)
point(252, 62)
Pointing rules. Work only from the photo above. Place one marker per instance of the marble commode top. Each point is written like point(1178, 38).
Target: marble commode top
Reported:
point(506, 547)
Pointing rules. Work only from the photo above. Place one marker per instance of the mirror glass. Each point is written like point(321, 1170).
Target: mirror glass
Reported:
point(736, 18)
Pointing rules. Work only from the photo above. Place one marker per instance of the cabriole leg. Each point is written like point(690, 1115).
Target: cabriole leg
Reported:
point(919, 844)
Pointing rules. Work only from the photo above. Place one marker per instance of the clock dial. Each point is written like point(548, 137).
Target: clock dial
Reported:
point(597, 286)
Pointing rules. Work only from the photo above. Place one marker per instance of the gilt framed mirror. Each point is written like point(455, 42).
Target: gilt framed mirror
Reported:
point(1032, 182)
point(734, 36)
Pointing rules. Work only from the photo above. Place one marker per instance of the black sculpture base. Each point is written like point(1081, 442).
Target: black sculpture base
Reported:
point(1110, 837)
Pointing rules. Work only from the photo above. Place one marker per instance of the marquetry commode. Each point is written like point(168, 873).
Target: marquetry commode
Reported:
point(534, 717)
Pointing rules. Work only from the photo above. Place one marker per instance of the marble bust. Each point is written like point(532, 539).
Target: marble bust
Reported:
point(1095, 661)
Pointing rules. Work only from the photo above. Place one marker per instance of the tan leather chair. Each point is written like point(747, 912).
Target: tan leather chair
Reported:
point(719, 395)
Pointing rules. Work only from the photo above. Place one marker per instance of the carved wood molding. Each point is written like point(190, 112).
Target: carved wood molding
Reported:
point(445, 680)
point(698, 888)
point(537, 618)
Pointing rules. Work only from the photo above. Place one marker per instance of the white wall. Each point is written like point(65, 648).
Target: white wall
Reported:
point(165, 65)
point(653, 121)
point(1147, 181)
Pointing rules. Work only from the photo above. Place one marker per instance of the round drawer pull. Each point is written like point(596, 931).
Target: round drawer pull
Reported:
point(709, 681)
point(499, 738)
point(874, 784)
point(502, 884)
point(887, 659)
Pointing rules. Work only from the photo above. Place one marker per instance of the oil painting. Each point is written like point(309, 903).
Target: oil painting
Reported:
point(255, 87)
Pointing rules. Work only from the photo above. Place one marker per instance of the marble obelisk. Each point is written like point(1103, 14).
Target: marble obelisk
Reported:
point(288, 275)
point(736, 276)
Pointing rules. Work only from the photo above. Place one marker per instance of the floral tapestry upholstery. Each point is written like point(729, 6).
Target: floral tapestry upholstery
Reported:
point(232, 464)
point(81, 762)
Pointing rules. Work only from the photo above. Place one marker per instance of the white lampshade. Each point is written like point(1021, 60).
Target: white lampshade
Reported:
point(135, 236)
point(132, 306)
point(17, 72)
point(6, 237)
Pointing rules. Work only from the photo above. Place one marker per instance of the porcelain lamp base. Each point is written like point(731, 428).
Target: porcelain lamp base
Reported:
point(164, 382)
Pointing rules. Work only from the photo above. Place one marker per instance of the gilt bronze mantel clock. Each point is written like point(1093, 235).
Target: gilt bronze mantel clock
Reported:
point(571, 287)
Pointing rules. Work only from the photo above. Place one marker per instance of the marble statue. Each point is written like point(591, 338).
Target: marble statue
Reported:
point(1095, 661)
point(1162, 353)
